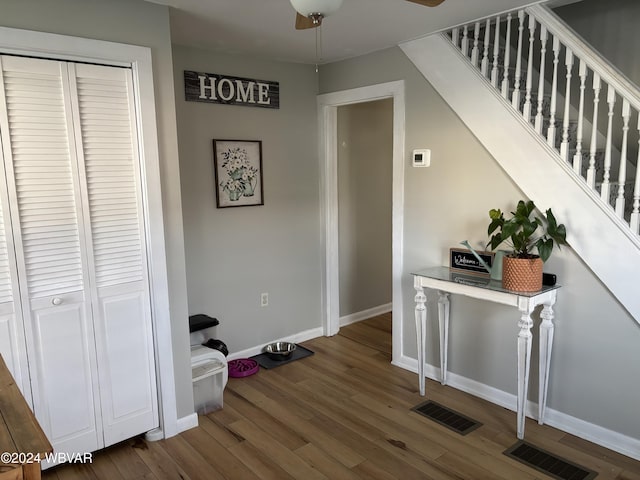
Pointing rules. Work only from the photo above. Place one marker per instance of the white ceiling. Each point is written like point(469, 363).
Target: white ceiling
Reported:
point(266, 27)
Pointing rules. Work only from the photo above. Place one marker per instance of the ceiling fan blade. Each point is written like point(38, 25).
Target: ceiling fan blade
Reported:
point(303, 22)
point(427, 3)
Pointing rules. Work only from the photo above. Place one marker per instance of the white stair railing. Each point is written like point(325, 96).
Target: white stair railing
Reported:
point(600, 142)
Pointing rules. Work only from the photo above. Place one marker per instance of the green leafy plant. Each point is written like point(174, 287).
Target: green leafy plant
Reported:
point(521, 231)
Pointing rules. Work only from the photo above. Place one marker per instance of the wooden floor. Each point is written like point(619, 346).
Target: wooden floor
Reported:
point(343, 413)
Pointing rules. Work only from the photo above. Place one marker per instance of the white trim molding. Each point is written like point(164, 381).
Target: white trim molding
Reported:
point(610, 439)
point(327, 121)
point(187, 423)
point(295, 338)
point(63, 47)
point(365, 314)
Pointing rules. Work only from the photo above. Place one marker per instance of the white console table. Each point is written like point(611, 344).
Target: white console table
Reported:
point(445, 282)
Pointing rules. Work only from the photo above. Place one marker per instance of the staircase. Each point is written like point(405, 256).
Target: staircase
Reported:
point(564, 124)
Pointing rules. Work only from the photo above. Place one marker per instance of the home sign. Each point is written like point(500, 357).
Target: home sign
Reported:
point(227, 90)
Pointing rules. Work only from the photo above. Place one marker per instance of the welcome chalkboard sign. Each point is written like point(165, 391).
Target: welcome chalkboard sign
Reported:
point(462, 260)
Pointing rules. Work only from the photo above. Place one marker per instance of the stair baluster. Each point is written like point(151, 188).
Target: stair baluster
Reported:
point(465, 41)
point(474, 50)
point(604, 189)
point(551, 133)
point(591, 171)
point(564, 146)
point(526, 111)
point(635, 214)
point(577, 157)
point(484, 68)
point(541, 78)
point(622, 173)
point(515, 100)
point(496, 54)
point(455, 34)
point(507, 51)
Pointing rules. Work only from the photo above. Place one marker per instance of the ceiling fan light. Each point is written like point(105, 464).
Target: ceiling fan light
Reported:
point(324, 7)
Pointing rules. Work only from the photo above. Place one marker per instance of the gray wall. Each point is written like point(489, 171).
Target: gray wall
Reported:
point(595, 365)
point(611, 27)
point(146, 24)
point(365, 149)
point(235, 254)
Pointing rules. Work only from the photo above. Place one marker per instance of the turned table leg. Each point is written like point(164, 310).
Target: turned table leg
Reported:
point(546, 343)
point(524, 361)
point(443, 323)
point(421, 334)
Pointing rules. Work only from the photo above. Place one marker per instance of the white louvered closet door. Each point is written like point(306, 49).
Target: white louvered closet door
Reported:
point(12, 343)
point(74, 179)
point(41, 173)
point(109, 172)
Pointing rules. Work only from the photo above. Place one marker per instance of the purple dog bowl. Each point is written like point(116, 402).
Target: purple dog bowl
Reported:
point(242, 367)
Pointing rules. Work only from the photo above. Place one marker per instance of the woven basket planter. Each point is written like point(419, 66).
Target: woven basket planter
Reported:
point(522, 274)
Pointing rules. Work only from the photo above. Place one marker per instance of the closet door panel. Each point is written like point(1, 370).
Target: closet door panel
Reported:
point(116, 242)
point(64, 375)
point(127, 399)
point(41, 171)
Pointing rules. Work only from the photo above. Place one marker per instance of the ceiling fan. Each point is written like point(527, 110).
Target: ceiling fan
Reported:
point(309, 13)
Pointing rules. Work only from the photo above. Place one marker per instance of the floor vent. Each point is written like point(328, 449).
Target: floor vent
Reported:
point(548, 463)
point(447, 417)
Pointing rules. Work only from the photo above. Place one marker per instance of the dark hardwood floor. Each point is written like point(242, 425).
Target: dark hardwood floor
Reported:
point(343, 413)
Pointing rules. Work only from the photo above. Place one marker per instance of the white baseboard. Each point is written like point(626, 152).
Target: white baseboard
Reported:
point(188, 422)
point(296, 338)
point(364, 314)
point(610, 439)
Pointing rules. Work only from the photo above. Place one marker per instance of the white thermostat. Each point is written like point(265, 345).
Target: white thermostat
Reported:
point(421, 157)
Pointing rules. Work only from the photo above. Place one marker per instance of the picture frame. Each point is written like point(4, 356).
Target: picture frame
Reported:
point(238, 173)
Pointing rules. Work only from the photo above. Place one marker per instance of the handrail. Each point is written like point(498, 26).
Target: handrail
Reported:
point(542, 37)
point(586, 52)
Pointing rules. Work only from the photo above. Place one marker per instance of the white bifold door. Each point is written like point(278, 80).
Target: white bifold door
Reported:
point(75, 319)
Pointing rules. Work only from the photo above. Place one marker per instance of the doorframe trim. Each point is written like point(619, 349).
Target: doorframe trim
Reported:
point(64, 47)
point(328, 154)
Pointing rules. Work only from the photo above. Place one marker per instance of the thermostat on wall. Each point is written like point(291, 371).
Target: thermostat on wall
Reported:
point(421, 158)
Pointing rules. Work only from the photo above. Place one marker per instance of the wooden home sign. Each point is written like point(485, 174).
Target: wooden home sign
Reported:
point(227, 90)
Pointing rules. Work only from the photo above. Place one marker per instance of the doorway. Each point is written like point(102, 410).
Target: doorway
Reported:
point(328, 123)
point(365, 152)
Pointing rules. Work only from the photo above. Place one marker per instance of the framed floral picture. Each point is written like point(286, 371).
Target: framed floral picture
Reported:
point(238, 172)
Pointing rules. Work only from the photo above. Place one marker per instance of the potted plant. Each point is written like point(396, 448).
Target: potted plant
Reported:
point(524, 231)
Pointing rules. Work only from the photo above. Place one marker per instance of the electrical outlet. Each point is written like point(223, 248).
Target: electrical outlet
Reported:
point(264, 299)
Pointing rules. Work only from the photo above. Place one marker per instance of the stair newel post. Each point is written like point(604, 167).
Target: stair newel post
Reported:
point(622, 172)
point(455, 36)
point(564, 146)
point(507, 54)
point(526, 111)
point(515, 100)
point(474, 50)
point(604, 190)
point(591, 171)
point(543, 61)
point(635, 214)
point(577, 157)
point(465, 41)
point(551, 133)
point(496, 54)
point(484, 65)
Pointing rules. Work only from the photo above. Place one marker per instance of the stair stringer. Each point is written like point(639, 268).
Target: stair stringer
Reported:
point(604, 242)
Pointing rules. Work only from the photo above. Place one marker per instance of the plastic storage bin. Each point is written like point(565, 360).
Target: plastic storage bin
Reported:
point(209, 375)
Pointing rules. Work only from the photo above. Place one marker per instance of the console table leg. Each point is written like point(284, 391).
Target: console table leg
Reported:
point(421, 334)
point(546, 344)
point(443, 323)
point(524, 360)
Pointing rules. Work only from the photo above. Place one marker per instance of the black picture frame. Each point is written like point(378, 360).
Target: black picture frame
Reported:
point(238, 173)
